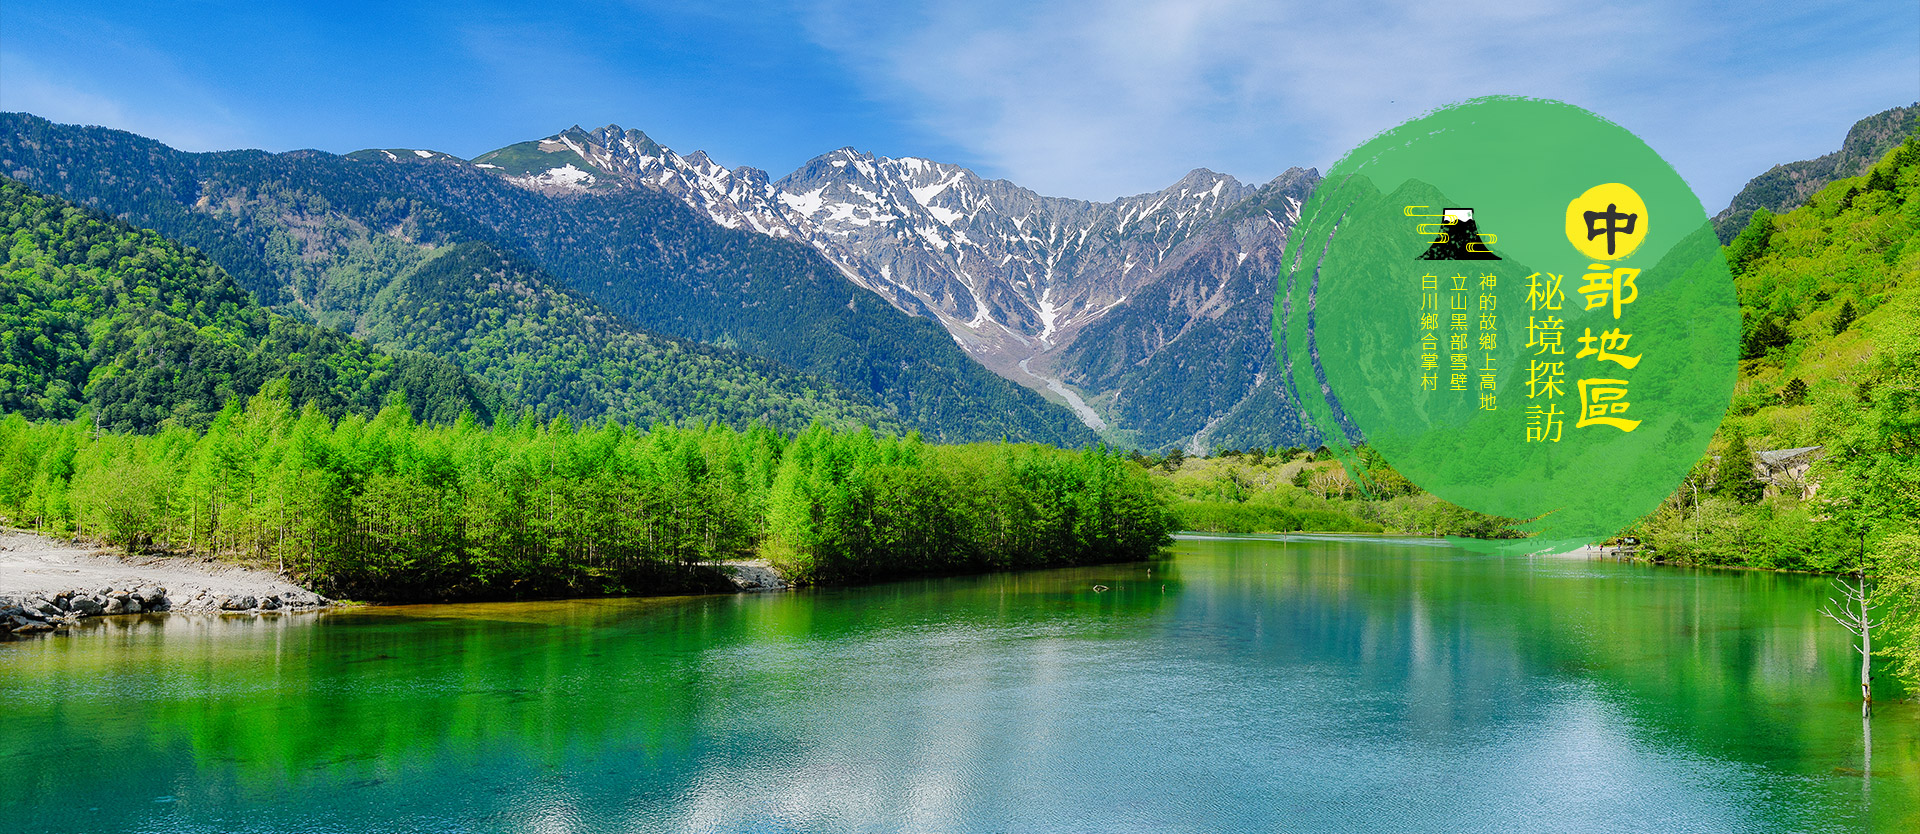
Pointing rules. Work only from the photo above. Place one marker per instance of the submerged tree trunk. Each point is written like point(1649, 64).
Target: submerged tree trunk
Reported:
point(1853, 612)
point(1866, 759)
point(1866, 654)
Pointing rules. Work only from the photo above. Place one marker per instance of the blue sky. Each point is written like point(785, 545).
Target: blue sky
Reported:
point(1092, 99)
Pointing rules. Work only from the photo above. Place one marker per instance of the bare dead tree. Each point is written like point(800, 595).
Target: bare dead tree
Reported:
point(1851, 610)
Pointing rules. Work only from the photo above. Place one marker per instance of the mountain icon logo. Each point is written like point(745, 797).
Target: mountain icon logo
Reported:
point(1458, 238)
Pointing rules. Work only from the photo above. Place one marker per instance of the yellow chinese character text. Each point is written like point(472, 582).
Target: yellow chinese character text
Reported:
point(1545, 335)
point(1544, 295)
point(1608, 285)
point(1544, 424)
point(1546, 378)
point(1601, 397)
point(1610, 341)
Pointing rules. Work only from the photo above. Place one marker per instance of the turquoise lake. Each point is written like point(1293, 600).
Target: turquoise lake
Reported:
point(1301, 683)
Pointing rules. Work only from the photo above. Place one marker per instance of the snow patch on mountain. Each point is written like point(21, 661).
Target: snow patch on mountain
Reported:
point(568, 176)
point(944, 215)
point(807, 204)
point(1013, 275)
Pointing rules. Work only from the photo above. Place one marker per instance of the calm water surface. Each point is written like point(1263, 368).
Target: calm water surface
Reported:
point(1276, 684)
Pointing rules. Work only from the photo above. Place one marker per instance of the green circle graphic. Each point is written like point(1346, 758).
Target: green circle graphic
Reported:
point(1599, 338)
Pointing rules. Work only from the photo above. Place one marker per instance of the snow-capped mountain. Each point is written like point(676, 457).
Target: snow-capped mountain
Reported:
point(1013, 275)
point(1011, 272)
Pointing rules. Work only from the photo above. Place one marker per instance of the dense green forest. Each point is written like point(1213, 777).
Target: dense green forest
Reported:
point(97, 315)
point(1831, 360)
point(388, 508)
point(126, 357)
point(324, 236)
point(553, 354)
point(1831, 294)
point(148, 329)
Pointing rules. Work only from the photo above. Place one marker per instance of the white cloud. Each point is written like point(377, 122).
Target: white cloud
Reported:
point(1097, 98)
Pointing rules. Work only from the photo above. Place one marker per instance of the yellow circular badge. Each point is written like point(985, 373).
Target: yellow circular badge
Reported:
point(1607, 222)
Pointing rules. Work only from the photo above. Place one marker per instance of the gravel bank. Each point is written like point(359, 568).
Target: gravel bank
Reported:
point(47, 584)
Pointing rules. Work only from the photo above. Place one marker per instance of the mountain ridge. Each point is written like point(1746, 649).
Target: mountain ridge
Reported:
point(1013, 276)
point(1788, 186)
point(145, 333)
point(318, 236)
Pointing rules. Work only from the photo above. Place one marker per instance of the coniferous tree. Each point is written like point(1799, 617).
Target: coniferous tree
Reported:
point(387, 507)
point(1734, 477)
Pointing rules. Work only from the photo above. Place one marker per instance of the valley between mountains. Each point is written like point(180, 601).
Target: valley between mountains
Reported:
point(599, 274)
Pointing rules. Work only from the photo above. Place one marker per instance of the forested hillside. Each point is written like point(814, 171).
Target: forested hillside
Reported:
point(326, 235)
point(101, 316)
point(1831, 360)
point(489, 313)
point(498, 317)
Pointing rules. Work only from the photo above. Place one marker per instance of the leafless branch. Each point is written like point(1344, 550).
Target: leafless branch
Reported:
point(1847, 620)
point(1851, 592)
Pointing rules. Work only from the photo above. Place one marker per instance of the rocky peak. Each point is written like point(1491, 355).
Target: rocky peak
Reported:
point(1011, 274)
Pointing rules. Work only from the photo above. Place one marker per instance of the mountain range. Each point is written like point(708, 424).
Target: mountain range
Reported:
point(625, 306)
point(599, 273)
point(1146, 315)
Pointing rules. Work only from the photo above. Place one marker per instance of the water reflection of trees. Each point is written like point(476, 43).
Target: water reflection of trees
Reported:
point(1733, 664)
point(672, 693)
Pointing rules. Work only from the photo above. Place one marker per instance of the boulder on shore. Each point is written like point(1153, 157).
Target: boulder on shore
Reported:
point(151, 599)
point(34, 611)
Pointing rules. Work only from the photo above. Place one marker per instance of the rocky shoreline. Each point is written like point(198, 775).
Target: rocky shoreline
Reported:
point(48, 585)
point(752, 575)
point(43, 613)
